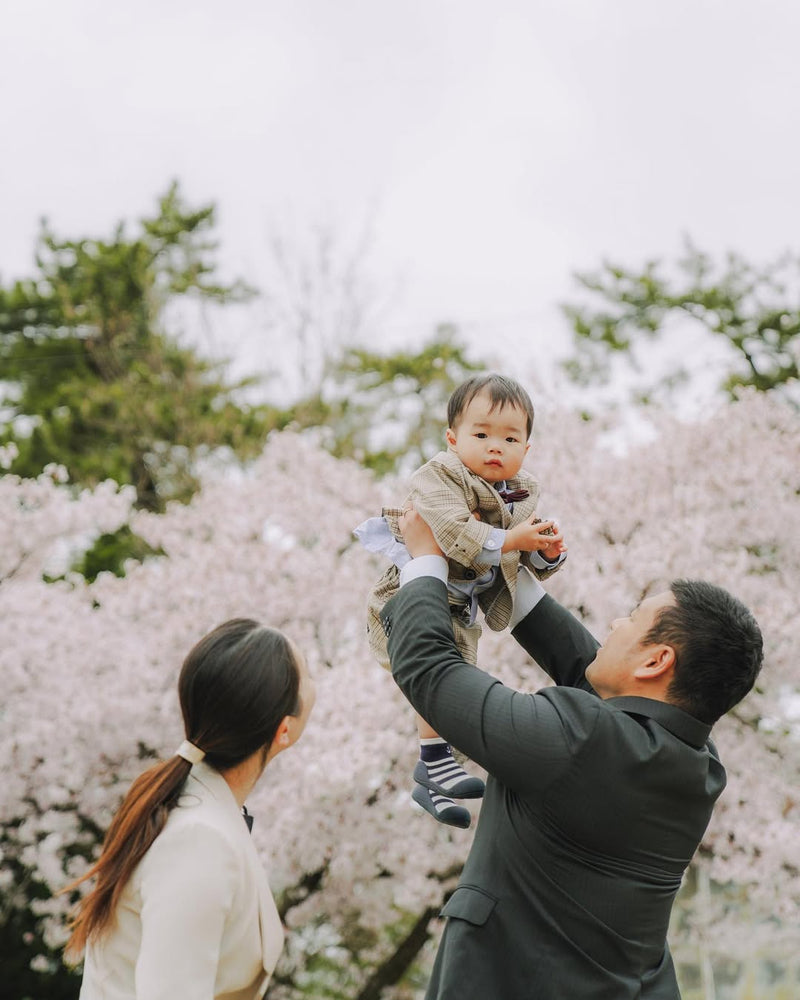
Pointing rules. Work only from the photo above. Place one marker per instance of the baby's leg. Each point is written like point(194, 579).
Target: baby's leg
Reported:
point(438, 770)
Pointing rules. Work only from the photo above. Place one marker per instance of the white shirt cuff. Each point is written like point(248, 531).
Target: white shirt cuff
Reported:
point(424, 566)
point(492, 551)
point(540, 562)
point(528, 594)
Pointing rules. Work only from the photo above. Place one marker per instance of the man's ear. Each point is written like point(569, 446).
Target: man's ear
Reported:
point(660, 659)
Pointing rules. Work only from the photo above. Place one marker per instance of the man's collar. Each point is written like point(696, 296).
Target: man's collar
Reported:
point(674, 719)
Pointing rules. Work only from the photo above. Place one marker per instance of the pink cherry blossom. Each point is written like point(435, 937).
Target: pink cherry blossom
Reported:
point(89, 671)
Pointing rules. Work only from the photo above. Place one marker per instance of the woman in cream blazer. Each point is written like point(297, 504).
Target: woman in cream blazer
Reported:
point(181, 907)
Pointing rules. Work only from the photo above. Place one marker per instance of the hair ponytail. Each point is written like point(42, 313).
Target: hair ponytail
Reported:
point(137, 823)
point(235, 687)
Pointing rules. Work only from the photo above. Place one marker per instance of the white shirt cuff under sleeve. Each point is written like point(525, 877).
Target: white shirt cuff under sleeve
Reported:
point(492, 551)
point(528, 594)
point(424, 566)
point(539, 561)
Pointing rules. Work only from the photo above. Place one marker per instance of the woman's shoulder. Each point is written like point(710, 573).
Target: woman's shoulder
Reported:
point(193, 858)
point(193, 839)
point(202, 812)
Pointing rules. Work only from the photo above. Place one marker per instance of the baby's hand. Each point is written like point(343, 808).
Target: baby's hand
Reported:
point(535, 535)
point(552, 551)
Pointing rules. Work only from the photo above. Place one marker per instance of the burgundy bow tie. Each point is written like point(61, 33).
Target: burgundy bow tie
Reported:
point(509, 496)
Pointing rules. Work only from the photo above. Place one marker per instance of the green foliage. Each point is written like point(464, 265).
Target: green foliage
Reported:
point(111, 551)
point(31, 968)
point(754, 312)
point(91, 379)
point(387, 410)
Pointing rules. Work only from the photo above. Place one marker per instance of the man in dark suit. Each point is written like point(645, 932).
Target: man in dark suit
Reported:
point(599, 790)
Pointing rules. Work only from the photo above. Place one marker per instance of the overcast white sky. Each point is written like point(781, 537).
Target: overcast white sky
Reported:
point(495, 147)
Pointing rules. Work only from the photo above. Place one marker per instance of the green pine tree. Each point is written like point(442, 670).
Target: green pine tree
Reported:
point(754, 313)
point(92, 378)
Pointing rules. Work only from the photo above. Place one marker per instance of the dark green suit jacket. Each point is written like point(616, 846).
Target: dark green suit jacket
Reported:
point(593, 810)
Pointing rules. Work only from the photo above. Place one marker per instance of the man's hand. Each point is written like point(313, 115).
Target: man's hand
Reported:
point(534, 535)
point(417, 535)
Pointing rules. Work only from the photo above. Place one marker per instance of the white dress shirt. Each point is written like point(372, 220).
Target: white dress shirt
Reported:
point(528, 594)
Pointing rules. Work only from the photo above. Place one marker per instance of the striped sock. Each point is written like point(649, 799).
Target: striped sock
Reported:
point(441, 766)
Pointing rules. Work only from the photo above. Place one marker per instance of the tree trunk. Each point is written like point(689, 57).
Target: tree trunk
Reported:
point(394, 967)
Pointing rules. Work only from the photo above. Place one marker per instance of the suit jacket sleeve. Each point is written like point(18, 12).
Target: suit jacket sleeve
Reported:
point(558, 642)
point(524, 740)
point(188, 888)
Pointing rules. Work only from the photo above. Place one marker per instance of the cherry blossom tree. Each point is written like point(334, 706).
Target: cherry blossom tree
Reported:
point(359, 872)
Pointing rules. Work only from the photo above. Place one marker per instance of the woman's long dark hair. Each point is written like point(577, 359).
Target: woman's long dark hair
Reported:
point(235, 687)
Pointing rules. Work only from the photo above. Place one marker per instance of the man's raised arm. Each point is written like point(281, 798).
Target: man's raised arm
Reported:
point(500, 729)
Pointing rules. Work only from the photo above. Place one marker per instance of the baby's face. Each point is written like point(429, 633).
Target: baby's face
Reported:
point(492, 443)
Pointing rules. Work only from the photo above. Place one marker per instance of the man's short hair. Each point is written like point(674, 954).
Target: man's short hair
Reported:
point(718, 648)
point(503, 391)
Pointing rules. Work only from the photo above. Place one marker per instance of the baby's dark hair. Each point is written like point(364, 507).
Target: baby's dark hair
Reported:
point(503, 391)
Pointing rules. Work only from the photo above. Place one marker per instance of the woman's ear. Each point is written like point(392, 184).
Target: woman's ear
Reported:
point(283, 735)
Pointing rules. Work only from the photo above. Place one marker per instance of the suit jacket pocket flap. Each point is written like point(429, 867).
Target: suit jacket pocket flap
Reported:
point(471, 904)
